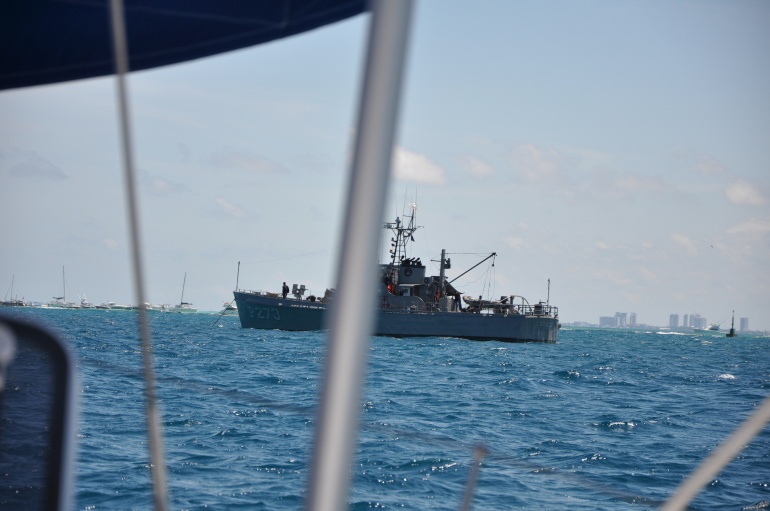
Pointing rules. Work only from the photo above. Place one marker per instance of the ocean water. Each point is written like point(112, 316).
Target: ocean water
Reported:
point(600, 420)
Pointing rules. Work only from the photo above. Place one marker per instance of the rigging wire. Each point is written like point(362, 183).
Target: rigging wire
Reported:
point(479, 254)
point(492, 280)
point(484, 275)
point(481, 276)
point(224, 311)
point(155, 439)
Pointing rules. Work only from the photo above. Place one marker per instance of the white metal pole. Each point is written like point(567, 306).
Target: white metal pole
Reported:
point(352, 317)
point(720, 458)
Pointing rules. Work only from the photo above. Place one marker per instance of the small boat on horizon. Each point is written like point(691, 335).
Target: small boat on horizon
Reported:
point(712, 328)
point(13, 302)
point(85, 304)
point(183, 307)
point(229, 309)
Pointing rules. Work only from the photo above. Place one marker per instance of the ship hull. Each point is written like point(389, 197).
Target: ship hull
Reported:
point(269, 313)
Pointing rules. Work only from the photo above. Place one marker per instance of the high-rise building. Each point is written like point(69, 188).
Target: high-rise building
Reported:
point(673, 320)
point(686, 321)
point(697, 321)
point(632, 319)
point(744, 325)
point(621, 319)
point(608, 321)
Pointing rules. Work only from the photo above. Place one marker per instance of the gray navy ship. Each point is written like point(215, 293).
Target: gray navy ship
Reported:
point(409, 304)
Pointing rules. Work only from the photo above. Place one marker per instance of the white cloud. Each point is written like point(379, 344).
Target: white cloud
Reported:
point(710, 166)
point(587, 158)
point(602, 245)
point(605, 182)
point(158, 186)
point(534, 164)
point(752, 226)
point(478, 167)
point(550, 249)
point(574, 170)
point(230, 208)
point(417, 168)
point(649, 275)
point(743, 193)
point(685, 242)
point(516, 243)
point(633, 183)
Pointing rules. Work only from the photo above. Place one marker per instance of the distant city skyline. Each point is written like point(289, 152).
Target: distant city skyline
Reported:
point(693, 320)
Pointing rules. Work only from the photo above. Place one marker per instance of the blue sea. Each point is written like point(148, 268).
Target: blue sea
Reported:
point(601, 420)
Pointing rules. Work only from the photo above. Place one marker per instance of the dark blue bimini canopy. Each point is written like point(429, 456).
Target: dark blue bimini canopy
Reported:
point(47, 41)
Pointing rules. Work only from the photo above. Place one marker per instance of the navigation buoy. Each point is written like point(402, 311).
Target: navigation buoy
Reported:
point(731, 333)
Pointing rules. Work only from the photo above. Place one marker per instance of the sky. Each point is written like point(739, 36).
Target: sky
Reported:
point(620, 149)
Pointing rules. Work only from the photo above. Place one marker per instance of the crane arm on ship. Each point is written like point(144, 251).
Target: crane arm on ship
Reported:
point(493, 254)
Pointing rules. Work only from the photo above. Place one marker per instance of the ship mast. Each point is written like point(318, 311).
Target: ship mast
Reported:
point(181, 300)
point(404, 234)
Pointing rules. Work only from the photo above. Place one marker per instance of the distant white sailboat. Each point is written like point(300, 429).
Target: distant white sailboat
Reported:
point(60, 302)
point(183, 306)
point(13, 302)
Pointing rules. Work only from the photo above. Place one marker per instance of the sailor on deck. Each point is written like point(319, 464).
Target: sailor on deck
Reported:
point(285, 290)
